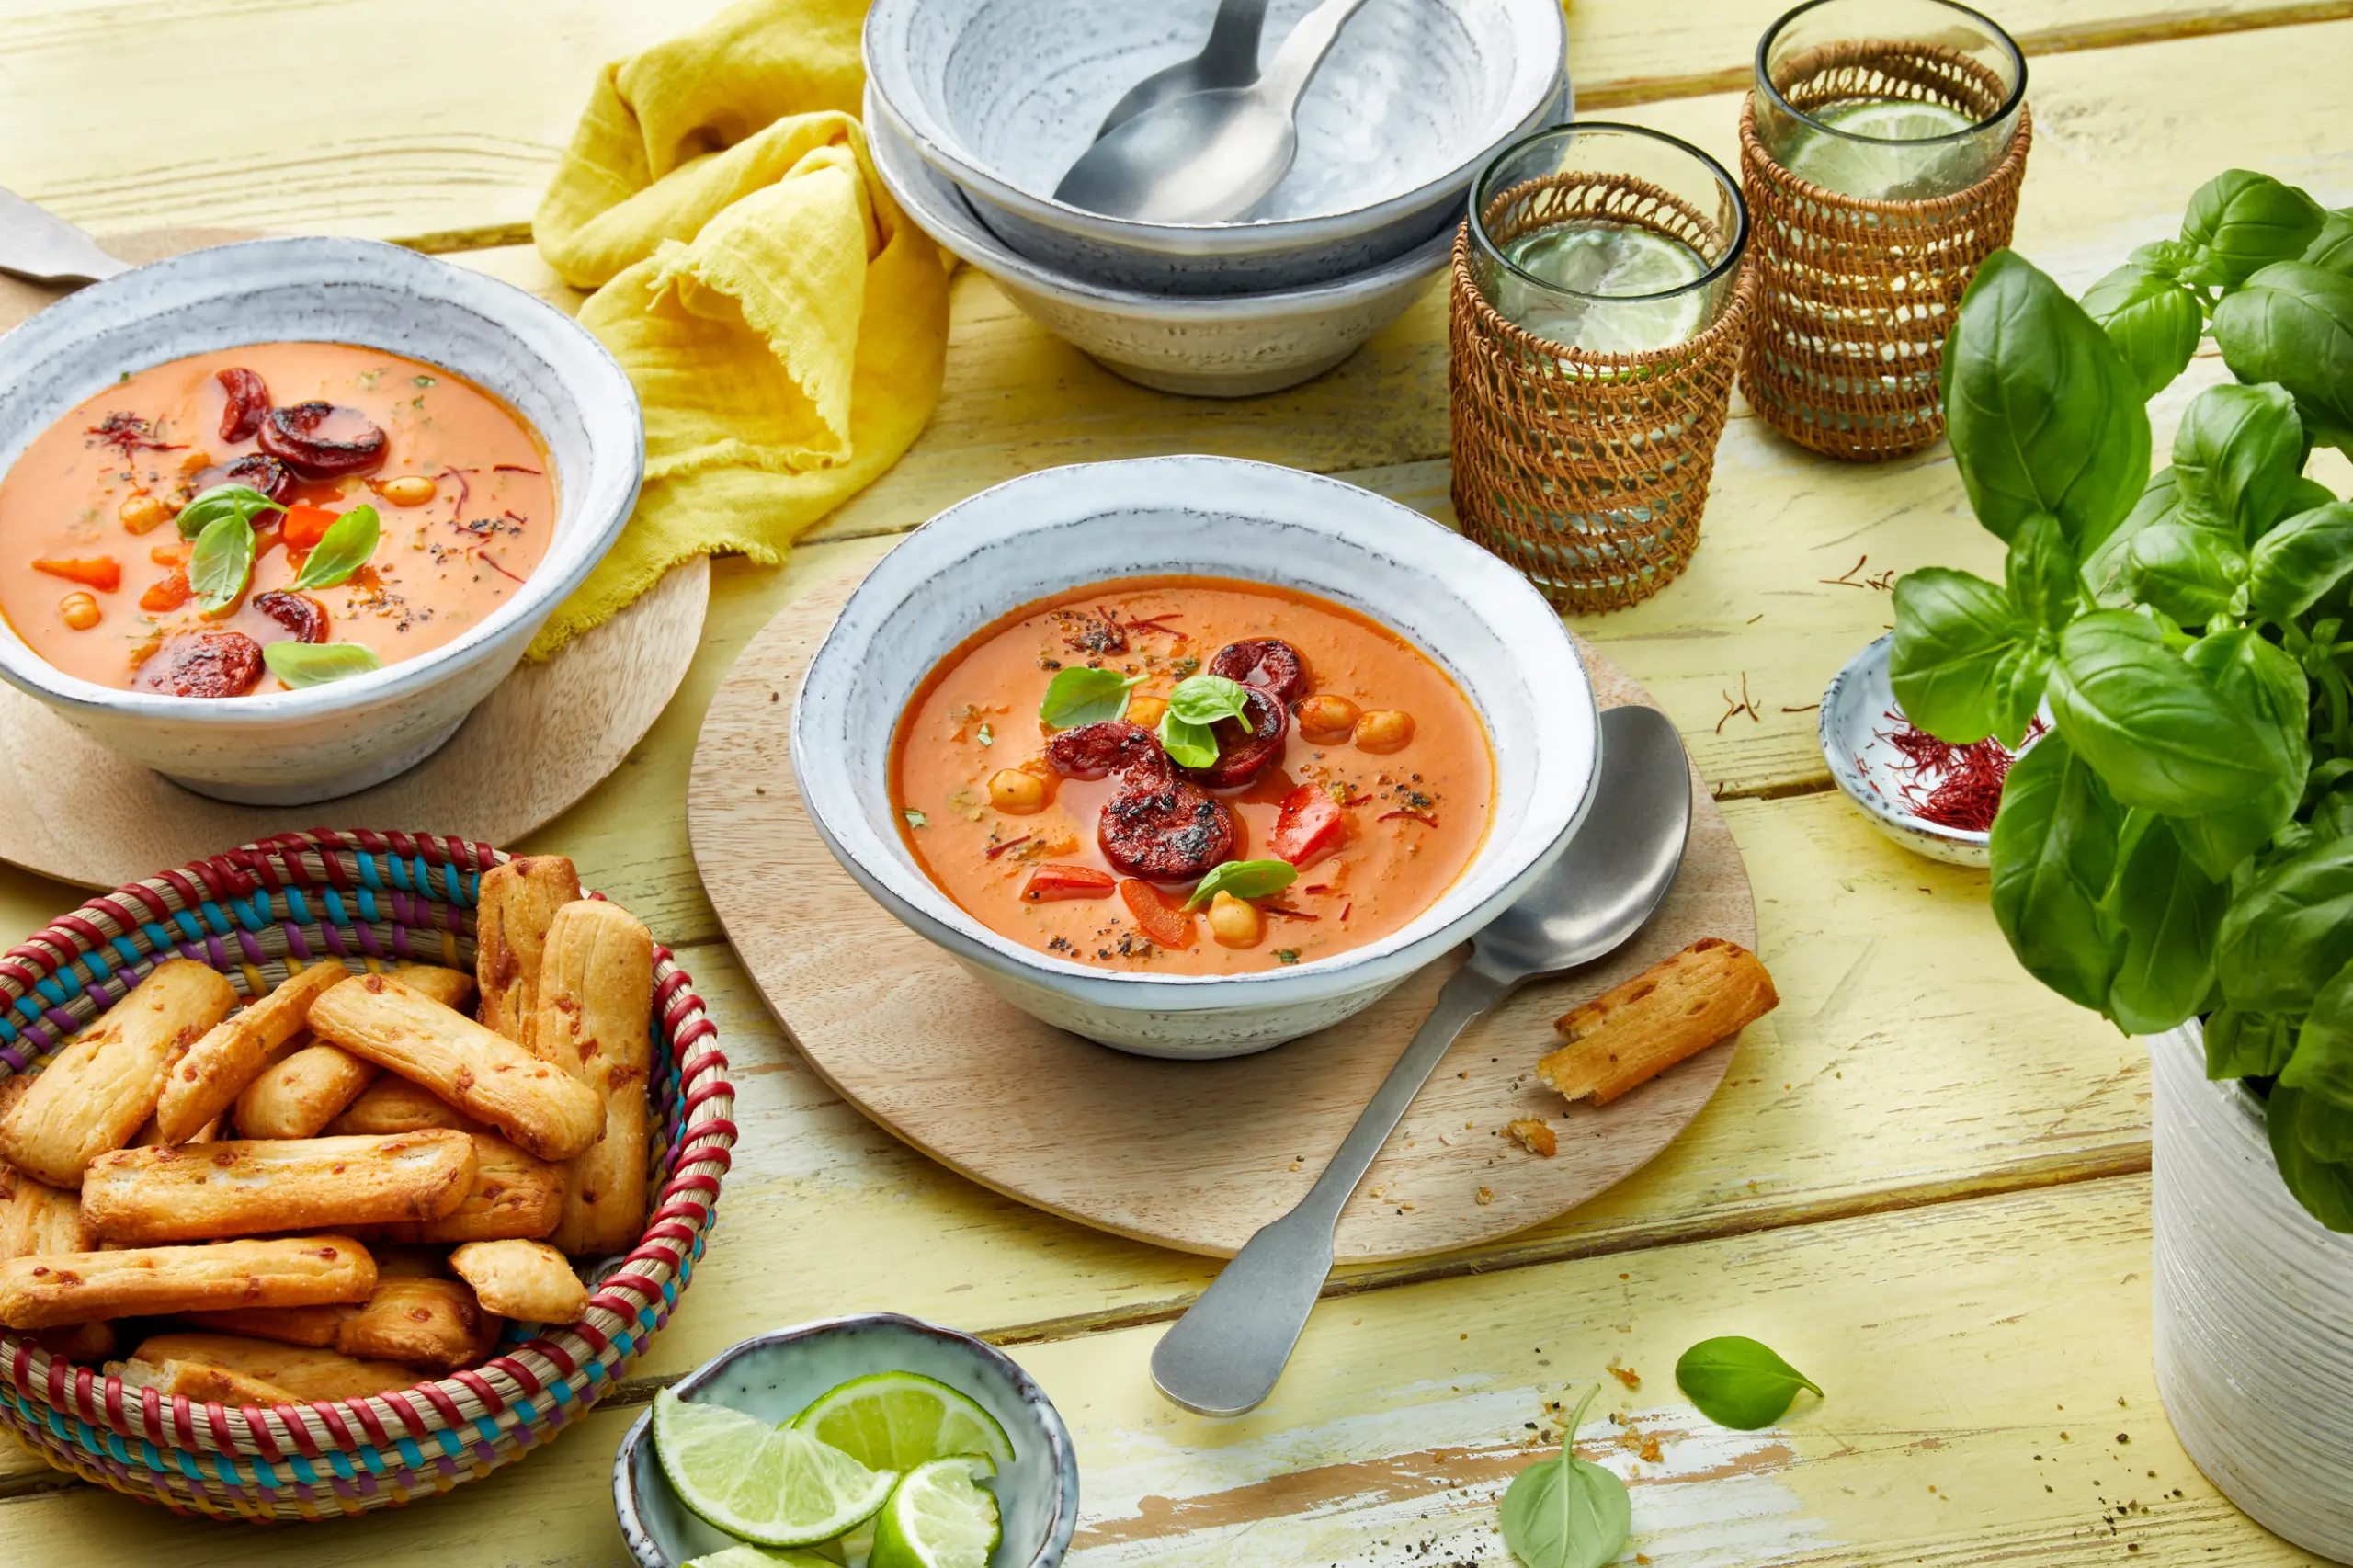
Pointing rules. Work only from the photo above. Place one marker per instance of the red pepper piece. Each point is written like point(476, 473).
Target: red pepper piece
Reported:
point(1049, 882)
point(248, 402)
point(1165, 923)
point(303, 526)
point(103, 573)
point(1310, 826)
point(166, 593)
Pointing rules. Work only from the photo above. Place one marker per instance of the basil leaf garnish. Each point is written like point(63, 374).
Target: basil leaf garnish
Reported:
point(1204, 699)
point(1188, 745)
point(1243, 879)
point(222, 561)
point(1737, 1383)
point(300, 664)
point(346, 547)
point(223, 500)
point(1082, 696)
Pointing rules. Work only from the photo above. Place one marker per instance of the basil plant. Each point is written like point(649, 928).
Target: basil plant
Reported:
point(2180, 843)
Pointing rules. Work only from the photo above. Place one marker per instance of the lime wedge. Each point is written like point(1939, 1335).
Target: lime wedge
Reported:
point(772, 1486)
point(1888, 166)
point(761, 1557)
point(1621, 263)
point(899, 1420)
point(939, 1517)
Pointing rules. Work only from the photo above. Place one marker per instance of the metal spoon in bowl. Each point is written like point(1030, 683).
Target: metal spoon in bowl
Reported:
point(1223, 1356)
point(37, 245)
point(1207, 157)
point(1229, 59)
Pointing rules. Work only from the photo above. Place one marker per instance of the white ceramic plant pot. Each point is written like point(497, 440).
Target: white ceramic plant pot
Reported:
point(2254, 1311)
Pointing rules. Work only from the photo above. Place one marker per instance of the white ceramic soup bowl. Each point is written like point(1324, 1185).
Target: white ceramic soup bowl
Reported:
point(288, 747)
point(1002, 97)
point(1067, 527)
point(1230, 345)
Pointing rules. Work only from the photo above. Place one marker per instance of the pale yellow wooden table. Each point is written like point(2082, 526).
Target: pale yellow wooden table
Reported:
point(1924, 1180)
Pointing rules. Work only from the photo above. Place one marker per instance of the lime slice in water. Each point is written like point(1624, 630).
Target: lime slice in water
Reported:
point(939, 1517)
point(1619, 263)
point(772, 1486)
point(899, 1420)
point(1885, 168)
point(762, 1557)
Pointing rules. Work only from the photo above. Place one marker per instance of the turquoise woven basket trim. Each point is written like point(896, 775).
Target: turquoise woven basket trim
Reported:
point(95, 965)
point(561, 1392)
point(333, 900)
point(128, 948)
point(50, 988)
point(412, 1457)
point(371, 876)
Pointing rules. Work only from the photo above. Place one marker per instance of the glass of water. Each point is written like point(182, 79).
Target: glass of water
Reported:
point(1607, 238)
point(1887, 100)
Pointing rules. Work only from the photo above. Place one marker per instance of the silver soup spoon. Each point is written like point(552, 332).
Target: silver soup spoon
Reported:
point(1229, 59)
point(1222, 1357)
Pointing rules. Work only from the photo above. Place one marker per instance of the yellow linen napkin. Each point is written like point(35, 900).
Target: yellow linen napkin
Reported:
point(784, 324)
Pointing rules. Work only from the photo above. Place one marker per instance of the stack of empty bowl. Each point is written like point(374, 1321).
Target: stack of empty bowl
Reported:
point(976, 108)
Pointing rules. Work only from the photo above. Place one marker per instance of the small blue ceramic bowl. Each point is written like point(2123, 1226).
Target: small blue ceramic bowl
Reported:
point(1857, 709)
point(775, 1375)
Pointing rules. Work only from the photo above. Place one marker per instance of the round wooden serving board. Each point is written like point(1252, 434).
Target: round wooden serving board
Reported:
point(73, 809)
point(1190, 1155)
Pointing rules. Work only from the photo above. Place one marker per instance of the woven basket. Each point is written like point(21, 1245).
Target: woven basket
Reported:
point(1587, 472)
point(1858, 295)
point(381, 898)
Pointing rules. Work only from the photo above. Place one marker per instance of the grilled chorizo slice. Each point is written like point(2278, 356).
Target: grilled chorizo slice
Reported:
point(1269, 663)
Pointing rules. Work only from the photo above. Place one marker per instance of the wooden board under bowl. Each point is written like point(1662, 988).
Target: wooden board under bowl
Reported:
point(1190, 1155)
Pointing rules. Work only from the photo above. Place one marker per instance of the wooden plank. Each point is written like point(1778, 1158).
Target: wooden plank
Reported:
point(112, 116)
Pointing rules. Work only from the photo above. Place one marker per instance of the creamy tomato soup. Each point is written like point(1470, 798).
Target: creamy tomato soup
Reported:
point(1340, 784)
point(102, 517)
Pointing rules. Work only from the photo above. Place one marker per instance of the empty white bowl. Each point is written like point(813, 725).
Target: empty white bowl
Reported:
point(1066, 527)
point(1001, 97)
point(1234, 346)
point(287, 747)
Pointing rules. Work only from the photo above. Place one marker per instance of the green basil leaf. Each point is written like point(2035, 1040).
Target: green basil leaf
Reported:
point(2043, 413)
point(1205, 699)
point(2041, 570)
point(2326, 1189)
point(316, 664)
point(2247, 1045)
point(2106, 571)
point(2168, 908)
point(2053, 853)
point(1188, 745)
point(1078, 695)
point(1565, 1512)
point(2192, 574)
point(2237, 456)
point(1737, 1383)
point(2164, 257)
point(2154, 319)
point(223, 500)
point(1951, 632)
point(2294, 565)
point(222, 561)
point(2292, 324)
point(2018, 684)
point(1243, 879)
point(2332, 248)
point(2290, 927)
point(2239, 220)
point(2321, 1064)
point(2265, 685)
point(2159, 734)
point(915, 818)
point(346, 546)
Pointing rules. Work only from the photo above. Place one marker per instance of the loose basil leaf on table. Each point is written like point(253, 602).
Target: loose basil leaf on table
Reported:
point(1565, 1512)
point(2292, 324)
point(2296, 563)
point(2290, 927)
point(2043, 413)
point(1952, 630)
point(2323, 1188)
point(2192, 574)
point(2154, 319)
point(2054, 852)
point(2240, 220)
point(1079, 694)
point(2247, 1045)
point(301, 665)
point(346, 546)
point(223, 500)
point(2156, 729)
point(220, 561)
point(2168, 909)
point(2254, 676)
point(2106, 570)
point(1243, 879)
point(1739, 1382)
point(2236, 458)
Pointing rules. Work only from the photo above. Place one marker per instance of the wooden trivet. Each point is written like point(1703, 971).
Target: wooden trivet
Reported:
point(1189, 1155)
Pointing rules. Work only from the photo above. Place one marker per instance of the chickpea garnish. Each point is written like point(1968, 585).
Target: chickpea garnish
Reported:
point(1384, 730)
point(1017, 793)
point(408, 490)
point(141, 512)
point(79, 611)
point(1327, 718)
point(1145, 711)
point(1234, 922)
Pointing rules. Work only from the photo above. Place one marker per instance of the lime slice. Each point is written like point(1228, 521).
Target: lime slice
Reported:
point(1620, 264)
point(1885, 168)
point(939, 1517)
point(899, 1420)
point(761, 1557)
point(772, 1486)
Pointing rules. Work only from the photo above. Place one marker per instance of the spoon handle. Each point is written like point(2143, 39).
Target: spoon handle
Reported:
point(1223, 1356)
point(1288, 74)
point(38, 244)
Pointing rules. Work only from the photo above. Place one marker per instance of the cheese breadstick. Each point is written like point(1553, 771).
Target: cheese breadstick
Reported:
point(452, 988)
point(301, 1373)
point(513, 1195)
point(37, 1220)
point(596, 997)
point(526, 1280)
point(313, 1327)
point(393, 1104)
point(433, 1323)
point(105, 1083)
point(299, 1093)
point(199, 1383)
point(286, 1271)
point(204, 1082)
point(516, 901)
point(483, 1074)
point(85, 1342)
point(1675, 1009)
point(254, 1186)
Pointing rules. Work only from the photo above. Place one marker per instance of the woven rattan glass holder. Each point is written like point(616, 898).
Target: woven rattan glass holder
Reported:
point(1855, 296)
point(1586, 471)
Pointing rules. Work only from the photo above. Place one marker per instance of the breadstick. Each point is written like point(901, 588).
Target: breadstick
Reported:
point(453, 988)
point(150, 1134)
point(596, 994)
point(286, 1271)
point(301, 1373)
point(513, 1195)
point(526, 1280)
point(37, 1220)
point(201, 1384)
point(254, 1186)
point(516, 903)
point(483, 1074)
point(85, 1342)
point(393, 1104)
point(101, 1086)
point(1675, 1009)
point(204, 1082)
point(296, 1095)
point(313, 1327)
point(433, 1323)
